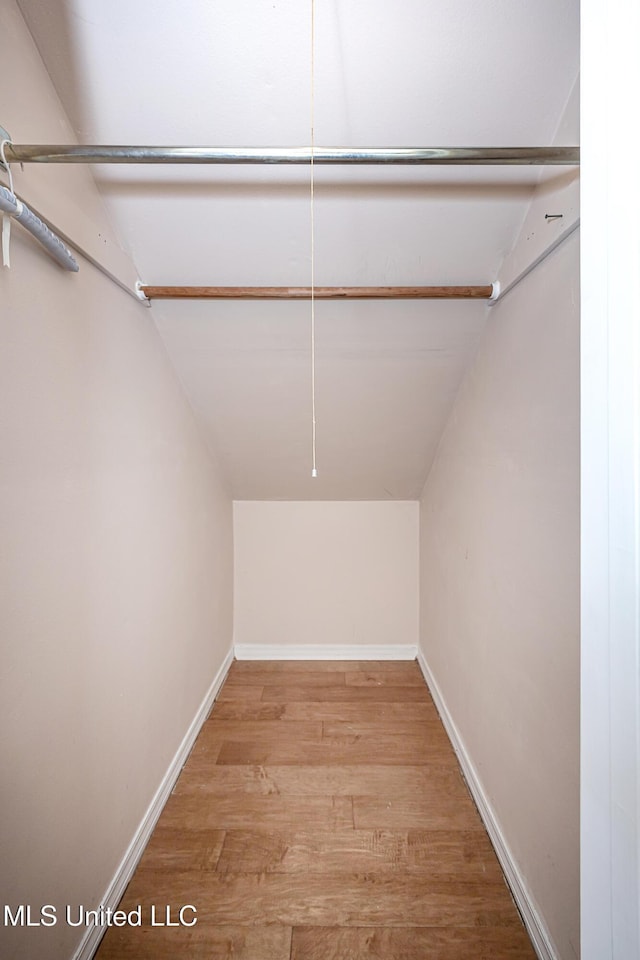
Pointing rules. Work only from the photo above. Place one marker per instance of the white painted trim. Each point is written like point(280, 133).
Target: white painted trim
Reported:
point(123, 874)
point(536, 928)
point(610, 487)
point(321, 651)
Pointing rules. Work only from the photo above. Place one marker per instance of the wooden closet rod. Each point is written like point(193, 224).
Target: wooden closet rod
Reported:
point(320, 293)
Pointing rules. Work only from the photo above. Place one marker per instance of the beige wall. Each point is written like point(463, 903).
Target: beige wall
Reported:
point(115, 566)
point(326, 572)
point(500, 579)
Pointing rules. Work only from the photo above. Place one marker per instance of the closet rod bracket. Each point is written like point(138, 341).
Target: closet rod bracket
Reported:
point(140, 293)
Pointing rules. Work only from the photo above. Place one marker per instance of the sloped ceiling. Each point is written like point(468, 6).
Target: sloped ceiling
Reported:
point(238, 73)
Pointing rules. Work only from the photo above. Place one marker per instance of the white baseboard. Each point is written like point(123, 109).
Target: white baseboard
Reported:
point(129, 862)
point(321, 651)
point(536, 928)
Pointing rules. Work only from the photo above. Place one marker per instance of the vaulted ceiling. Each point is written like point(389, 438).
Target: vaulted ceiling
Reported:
point(238, 73)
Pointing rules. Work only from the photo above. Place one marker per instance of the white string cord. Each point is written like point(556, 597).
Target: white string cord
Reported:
point(314, 471)
point(3, 144)
point(6, 220)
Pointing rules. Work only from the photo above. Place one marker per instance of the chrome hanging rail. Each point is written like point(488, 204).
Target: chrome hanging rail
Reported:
point(418, 156)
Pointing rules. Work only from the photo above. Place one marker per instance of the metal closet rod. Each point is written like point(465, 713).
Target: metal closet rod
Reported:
point(427, 156)
point(486, 292)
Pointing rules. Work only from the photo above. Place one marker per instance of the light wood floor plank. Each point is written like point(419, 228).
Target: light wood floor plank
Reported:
point(432, 730)
point(215, 733)
point(440, 854)
point(311, 677)
point(341, 750)
point(201, 811)
point(362, 899)
point(423, 812)
point(178, 848)
point(298, 692)
point(240, 691)
point(418, 943)
point(428, 813)
point(292, 667)
point(398, 781)
point(411, 675)
point(205, 941)
point(360, 711)
point(214, 730)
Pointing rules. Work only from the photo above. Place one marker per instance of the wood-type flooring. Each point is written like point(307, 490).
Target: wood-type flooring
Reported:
point(321, 815)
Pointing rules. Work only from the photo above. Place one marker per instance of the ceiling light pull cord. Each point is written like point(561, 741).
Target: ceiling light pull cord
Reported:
point(6, 219)
point(314, 471)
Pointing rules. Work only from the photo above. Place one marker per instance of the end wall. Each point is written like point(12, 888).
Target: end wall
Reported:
point(500, 580)
point(116, 561)
point(330, 574)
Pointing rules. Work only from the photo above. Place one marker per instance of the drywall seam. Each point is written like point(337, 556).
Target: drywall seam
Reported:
point(536, 928)
point(321, 651)
point(123, 874)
